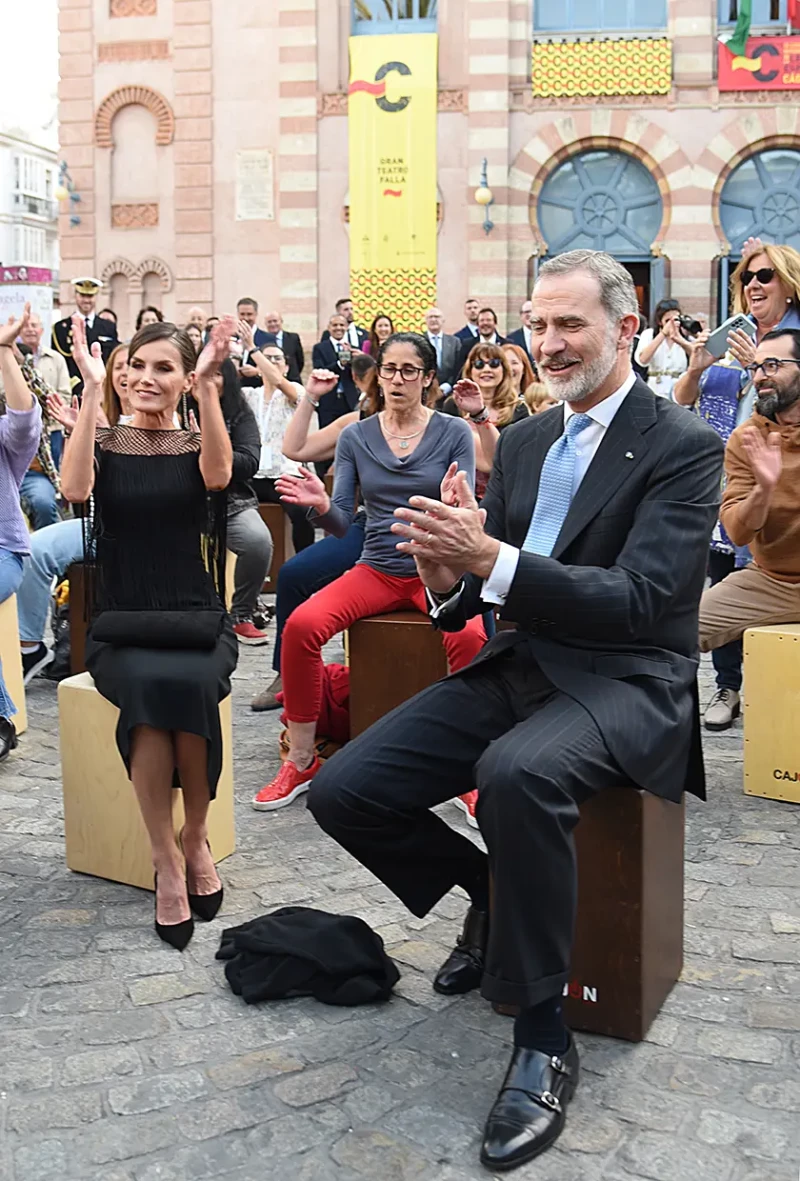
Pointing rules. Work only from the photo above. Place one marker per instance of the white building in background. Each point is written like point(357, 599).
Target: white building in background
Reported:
point(28, 209)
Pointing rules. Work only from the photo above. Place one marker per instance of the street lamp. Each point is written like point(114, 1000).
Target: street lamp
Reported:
point(485, 197)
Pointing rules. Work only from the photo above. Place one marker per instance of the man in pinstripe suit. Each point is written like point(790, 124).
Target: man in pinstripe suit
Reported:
point(592, 539)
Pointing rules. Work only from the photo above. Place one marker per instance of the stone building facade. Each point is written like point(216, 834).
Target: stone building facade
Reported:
point(161, 100)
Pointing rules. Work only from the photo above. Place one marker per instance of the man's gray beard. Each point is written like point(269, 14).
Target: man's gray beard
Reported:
point(588, 378)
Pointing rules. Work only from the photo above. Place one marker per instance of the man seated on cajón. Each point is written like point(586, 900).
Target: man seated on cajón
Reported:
point(592, 538)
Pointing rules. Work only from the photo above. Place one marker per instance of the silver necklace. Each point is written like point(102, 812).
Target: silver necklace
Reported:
point(402, 439)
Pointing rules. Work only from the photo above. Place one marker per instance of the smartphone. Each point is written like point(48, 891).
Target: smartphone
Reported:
point(717, 343)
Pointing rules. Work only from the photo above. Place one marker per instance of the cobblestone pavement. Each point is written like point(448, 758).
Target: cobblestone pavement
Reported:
point(122, 1060)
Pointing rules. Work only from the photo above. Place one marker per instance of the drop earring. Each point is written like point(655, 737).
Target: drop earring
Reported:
point(184, 411)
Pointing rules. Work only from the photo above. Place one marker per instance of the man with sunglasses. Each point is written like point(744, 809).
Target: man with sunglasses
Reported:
point(761, 502)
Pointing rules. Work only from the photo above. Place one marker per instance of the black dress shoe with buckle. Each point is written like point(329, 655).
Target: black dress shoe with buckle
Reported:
point(529, 1113)
point(463, 969)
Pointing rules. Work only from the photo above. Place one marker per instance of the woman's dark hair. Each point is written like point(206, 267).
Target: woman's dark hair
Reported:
point(427, 357)
point(142, 311)
point(231, 402)
point(104, 313)
point(662, 307)
point(364, 367)
point(170, 332)
point(374, 344)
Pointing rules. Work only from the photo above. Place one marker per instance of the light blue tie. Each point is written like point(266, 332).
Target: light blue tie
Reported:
point(555, 490)
point(437, 344)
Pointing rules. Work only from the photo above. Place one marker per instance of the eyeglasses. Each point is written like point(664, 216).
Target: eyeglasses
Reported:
point(771, 366)
point(482, 362)
point(407, 372)
point(763, 274)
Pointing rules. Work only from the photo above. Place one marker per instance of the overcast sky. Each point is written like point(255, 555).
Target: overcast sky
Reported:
point(29, 68)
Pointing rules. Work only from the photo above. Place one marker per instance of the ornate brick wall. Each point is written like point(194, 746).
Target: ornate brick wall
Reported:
point(297, 167)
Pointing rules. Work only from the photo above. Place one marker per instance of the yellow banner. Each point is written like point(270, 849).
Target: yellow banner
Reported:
point(392, 111)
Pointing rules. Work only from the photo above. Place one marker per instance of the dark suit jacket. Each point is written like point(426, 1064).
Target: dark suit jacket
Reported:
point(468, 345)
point(518, 337)
point(611, 616)
point(260, 338)
point(104, 331)
point(466, 333)
point(345, 397)
point(292, 351)
point(451, 351)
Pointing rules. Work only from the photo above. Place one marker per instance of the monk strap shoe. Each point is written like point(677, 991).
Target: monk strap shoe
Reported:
point(530, 1112)
point(463, 969)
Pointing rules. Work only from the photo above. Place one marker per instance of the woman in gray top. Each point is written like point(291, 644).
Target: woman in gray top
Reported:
point(405, 450)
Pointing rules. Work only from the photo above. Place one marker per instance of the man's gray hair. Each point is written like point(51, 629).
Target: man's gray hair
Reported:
point(617, 292)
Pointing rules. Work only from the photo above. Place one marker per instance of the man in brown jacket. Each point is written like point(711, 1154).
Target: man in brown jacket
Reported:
point(761, 502)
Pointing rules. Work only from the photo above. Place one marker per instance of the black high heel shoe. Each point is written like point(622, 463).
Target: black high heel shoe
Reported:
point(176, 935)
point(205, 906)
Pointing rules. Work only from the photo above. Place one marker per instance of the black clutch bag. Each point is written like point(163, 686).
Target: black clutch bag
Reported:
point(159, 629)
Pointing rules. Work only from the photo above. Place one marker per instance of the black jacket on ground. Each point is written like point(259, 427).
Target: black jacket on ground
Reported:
point(297, 951)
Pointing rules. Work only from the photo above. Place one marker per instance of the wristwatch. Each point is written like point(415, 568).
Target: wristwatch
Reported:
point(479, 418)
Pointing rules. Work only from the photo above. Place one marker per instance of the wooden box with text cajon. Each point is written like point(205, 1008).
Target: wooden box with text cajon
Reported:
point(11, 658)
point(771, 710)
point(280, 528)
point(628, 950)
point(105, 833)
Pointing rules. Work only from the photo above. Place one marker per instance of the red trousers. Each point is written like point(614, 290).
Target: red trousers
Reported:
point(360, 592)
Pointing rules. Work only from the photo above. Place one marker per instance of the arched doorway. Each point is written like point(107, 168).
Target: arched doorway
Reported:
point(760, 199)
point(606, 200)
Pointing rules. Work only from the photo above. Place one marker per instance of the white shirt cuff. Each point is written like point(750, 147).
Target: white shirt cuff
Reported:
point(436, 609)
point(498, 584)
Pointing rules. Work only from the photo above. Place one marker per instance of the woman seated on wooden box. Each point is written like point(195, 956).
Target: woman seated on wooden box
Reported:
point(160, 645)
point(404, 450)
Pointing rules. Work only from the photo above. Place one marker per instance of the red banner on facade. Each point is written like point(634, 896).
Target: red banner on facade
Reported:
point(770, 63)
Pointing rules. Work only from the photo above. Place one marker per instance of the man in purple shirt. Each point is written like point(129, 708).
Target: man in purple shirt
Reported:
point(20, 427)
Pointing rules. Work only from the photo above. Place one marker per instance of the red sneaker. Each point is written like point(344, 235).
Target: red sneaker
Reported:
point(247, 633)
point(467, 804)
point(287, 785)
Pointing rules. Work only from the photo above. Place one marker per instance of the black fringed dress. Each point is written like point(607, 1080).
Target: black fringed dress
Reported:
point(155, 541)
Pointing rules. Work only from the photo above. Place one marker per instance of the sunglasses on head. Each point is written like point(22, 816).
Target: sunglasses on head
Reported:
point(763, 274)
point(482, 362)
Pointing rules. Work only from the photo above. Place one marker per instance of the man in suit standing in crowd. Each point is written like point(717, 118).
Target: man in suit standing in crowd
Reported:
point(522, 336)
point(334, 352)
point(355, 335)
point(288, 342)
point(448, 349)
point(247, 310)
point(575, 541)
point(470, 329)
point(97, 329)
point(487, 334)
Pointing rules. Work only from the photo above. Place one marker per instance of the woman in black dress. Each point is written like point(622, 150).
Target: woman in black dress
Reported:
point(160, 646)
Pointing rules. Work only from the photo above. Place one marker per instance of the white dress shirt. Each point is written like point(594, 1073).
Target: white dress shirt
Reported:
point(352, 335)
point(496, 587)
point(526, 336)
point(498, 584)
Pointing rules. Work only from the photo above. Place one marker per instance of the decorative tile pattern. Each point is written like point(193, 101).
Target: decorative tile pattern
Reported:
point(602, 67)
point(134, 217)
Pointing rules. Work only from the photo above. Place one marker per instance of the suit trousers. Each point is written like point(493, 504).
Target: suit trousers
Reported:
point(533, 753)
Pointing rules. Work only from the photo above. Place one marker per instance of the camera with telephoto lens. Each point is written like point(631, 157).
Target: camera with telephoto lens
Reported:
point(689, 326)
